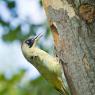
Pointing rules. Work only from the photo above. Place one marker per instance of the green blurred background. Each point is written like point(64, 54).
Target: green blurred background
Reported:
point(20, 19)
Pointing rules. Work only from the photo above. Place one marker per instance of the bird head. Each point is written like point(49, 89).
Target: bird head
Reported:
point(30, 43)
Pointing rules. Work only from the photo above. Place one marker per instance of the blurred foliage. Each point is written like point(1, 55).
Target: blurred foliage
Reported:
point(40, 2)
point(13, 86)
point(16, 32)
point(16, 29)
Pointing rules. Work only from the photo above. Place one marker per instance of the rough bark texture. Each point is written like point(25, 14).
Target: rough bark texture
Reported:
point(74, 20)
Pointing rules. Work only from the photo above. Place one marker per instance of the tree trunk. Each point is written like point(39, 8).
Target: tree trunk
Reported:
point(75, 47)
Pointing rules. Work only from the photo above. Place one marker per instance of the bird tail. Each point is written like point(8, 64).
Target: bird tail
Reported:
point(64, 91)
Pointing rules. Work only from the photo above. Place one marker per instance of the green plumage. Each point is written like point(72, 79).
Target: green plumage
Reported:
point(47, 65)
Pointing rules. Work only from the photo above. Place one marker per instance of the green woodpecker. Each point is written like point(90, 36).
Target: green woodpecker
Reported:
point(47, 65)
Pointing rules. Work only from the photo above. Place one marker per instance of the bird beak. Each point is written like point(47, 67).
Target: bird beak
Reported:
point(38, 36)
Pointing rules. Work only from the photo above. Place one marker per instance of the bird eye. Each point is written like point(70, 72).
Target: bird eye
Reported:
point(27, 41)
point(30, 42)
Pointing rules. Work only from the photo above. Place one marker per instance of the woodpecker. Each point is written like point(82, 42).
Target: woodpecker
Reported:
point(47, 65)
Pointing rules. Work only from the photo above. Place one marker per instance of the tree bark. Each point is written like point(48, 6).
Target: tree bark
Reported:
point(74, 20)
